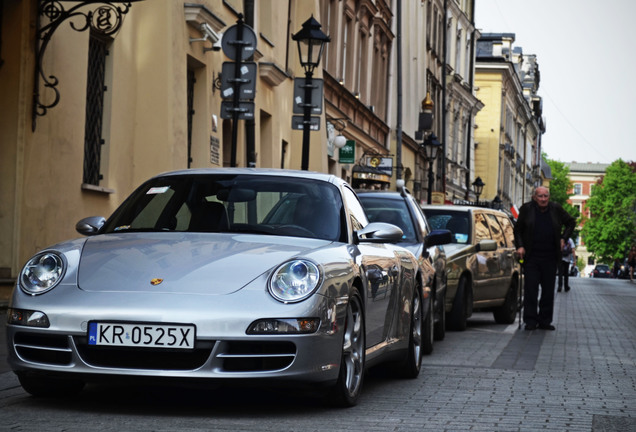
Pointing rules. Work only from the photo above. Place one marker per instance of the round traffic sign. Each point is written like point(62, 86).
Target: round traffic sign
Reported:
point(235, 47)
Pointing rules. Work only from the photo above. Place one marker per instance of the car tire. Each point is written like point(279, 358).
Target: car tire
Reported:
point(507, 313)
point(418, 346)
point(439, 328)
point(346, 391)
point(43, 386)
point(458, 314)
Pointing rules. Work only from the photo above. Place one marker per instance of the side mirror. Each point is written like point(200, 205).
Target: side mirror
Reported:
point(379, 232)
point(486, 245)
point(90, 226)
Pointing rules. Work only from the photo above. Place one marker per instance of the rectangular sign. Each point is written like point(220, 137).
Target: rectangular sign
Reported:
point(245, 110)
point(142, 335)
point(298, 123)
point(244, 83)
point(384, 164)
point(315, 103)
point(347, 154)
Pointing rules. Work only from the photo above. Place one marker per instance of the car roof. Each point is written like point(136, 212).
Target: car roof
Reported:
point(256, 171)
point(461, 208)
point(380, 193)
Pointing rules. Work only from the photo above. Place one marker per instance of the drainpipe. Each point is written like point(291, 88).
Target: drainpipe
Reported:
point(398, 129)
point(443, 158)
point(470, 118)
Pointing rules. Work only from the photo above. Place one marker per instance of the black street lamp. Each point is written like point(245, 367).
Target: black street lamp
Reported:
point(432, 147)
point(311, 42)
point(478, 187)
point(497, 203)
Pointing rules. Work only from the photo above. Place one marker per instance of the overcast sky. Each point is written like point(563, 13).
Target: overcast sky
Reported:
point(586, 50)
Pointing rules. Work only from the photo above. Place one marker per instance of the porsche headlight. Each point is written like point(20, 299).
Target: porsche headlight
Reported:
point(294, 281)
point(42, 273)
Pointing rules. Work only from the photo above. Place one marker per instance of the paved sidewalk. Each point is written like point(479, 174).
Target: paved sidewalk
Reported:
point(581, 377)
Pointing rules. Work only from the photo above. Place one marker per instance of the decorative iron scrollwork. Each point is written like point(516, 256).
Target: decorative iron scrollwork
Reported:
point(103, 17)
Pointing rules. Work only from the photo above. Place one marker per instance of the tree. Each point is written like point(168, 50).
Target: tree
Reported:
point(560, 185)
point(611, 228)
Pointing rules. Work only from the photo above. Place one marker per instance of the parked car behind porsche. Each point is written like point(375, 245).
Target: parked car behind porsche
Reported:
point(222, 274)
point(401, 209)
point(483, 273)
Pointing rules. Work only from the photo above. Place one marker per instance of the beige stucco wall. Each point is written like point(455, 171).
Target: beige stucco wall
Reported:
point(145, 125)
point(487, 133)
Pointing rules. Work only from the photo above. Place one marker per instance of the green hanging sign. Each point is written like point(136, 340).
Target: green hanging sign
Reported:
point(347, 154)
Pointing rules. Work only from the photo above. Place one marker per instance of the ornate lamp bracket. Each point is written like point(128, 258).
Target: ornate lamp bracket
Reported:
point(104, 17)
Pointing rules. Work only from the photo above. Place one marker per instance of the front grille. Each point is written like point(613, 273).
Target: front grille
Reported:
point(41, 348)
point(229, 356)
point(143, 358)
point(256, 356)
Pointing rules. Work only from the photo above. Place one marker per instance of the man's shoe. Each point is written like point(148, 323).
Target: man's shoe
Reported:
point(567, 289)
point(547, 327)
point(531, 327)
point(559, 289)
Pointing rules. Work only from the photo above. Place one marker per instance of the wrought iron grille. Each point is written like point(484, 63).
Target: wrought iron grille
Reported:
point(191, 81)
point(95, 88)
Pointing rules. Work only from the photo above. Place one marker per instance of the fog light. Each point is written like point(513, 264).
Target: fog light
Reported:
point(284, 326)
point(28, 318)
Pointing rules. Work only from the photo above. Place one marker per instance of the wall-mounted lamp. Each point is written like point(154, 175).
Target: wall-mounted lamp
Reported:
point(339, 124)
point(340, 141)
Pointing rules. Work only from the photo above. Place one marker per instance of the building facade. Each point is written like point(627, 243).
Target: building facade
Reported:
point(510, 126)
point(96, 97)
point(462, 103)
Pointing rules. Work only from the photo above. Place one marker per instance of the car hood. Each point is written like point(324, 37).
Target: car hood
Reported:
point(188, 263)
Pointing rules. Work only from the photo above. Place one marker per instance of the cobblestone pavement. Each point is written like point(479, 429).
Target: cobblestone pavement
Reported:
point(581, 377)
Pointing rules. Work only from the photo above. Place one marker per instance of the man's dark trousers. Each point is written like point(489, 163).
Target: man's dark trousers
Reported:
point(539, 271)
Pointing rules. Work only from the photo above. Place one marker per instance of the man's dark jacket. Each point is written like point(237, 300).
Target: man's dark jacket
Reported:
point(524, 228)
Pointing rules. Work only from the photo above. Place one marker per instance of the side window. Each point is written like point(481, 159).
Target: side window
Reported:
point(481, 228)
point(496, 230)
point(356, 211)
point(508, 230)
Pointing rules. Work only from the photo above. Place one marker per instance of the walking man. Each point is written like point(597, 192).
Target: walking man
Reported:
point(541, 231)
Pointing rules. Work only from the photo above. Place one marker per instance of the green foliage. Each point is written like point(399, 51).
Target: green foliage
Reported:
point(611, 229)
point(560, 185)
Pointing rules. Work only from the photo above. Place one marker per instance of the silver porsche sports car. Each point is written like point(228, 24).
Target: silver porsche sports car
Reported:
point(226, 274)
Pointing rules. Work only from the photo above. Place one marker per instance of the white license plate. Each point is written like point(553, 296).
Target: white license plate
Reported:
point(142, 335)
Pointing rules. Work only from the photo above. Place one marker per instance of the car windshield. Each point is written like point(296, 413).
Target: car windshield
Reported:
point(233, 203)
point(602, 267)
point(454, 221)
point(390, 211)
